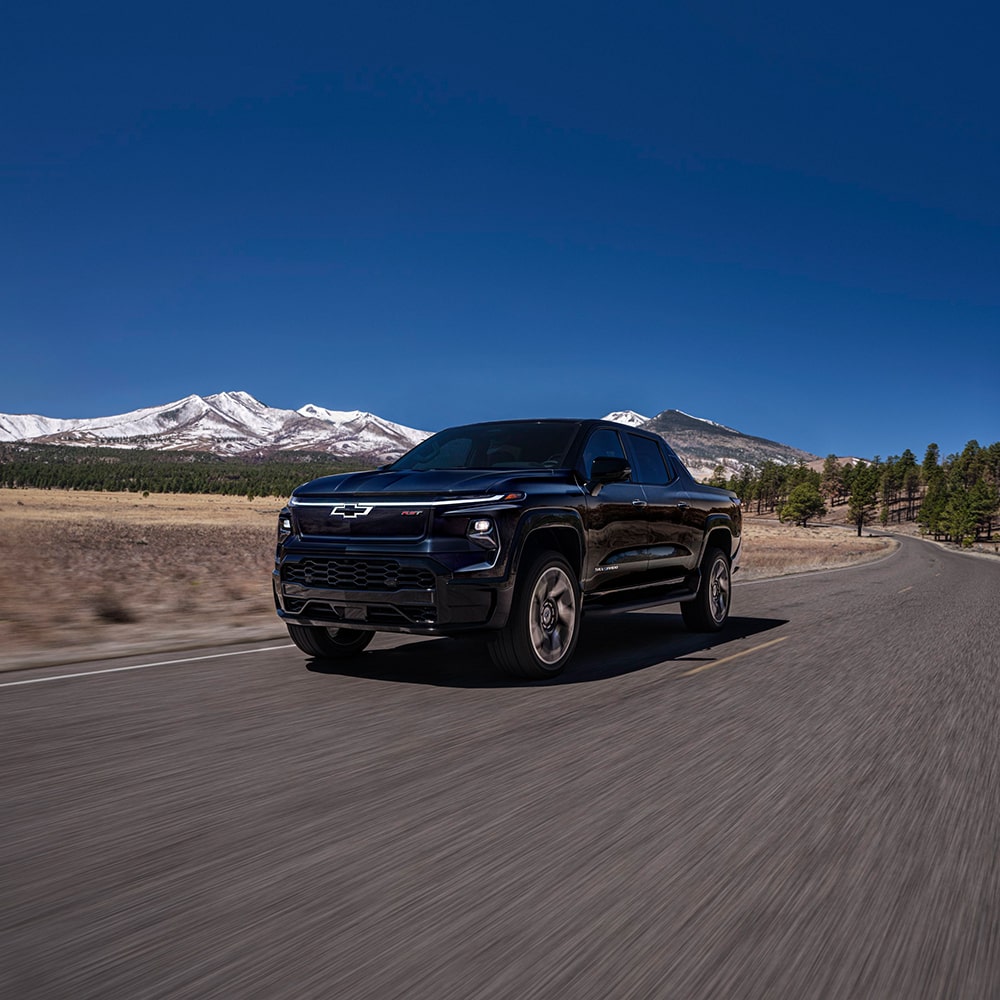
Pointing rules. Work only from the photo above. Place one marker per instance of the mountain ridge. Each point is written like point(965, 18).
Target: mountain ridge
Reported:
point(224, 423)
point(235, 423)
point(705, 444)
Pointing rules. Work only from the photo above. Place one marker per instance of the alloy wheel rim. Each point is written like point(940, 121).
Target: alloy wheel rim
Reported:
point(718, 596)
point(552, 616)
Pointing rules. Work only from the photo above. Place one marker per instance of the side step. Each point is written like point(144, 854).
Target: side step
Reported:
point(648, 597)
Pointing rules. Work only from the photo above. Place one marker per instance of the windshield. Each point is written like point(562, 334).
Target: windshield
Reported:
point(527, 445)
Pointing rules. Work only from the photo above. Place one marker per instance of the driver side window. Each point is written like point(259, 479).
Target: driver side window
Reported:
point(603, 443)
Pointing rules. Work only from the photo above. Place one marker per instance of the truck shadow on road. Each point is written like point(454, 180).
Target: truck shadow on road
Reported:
point(609, 646)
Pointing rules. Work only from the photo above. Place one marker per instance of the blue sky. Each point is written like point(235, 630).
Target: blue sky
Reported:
point(784, 217)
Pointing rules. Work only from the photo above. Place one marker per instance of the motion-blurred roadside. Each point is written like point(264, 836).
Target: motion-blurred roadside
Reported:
point(93, 575)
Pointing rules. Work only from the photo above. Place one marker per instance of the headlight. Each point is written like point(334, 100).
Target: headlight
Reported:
point(284, 526)
point(482, 531)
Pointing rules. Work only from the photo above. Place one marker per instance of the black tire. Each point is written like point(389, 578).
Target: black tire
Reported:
point(329, 643)
point(544, 622)
point(709, 611)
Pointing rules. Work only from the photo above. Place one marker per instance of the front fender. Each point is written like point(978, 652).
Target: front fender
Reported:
point(549, 519)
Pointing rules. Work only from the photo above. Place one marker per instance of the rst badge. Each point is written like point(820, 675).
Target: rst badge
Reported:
point(350, 510)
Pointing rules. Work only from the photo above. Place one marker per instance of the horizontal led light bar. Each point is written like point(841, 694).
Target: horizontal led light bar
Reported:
point(499, 498)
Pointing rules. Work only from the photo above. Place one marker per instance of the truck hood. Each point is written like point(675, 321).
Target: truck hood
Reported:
point(433, 482)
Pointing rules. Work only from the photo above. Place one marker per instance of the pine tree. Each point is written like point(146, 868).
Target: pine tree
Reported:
point(804, 502)
point(864, 494)
point(718, 477)
point(831, 480)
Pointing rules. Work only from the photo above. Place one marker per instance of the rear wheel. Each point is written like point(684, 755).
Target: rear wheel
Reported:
point(709, 610)
point(544, 623)
point(329, 643)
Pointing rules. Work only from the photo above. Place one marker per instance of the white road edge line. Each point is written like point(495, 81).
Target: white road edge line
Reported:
point(141, 666)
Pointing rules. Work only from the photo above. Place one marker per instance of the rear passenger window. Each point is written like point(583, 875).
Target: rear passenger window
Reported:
point(650, 467)
point(670, 462)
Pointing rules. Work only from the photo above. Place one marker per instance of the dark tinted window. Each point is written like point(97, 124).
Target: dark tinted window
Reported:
point(670, 461)
point(603, 443)
point(527, 445)
point(650, 468)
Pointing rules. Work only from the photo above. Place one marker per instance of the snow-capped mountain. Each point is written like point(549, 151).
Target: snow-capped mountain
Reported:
point(235, 423)
point(704, 444)
point(629, 417)
point(347, 432)
point(227, 423)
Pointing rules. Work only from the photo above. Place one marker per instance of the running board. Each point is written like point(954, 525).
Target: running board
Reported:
point(686, 590)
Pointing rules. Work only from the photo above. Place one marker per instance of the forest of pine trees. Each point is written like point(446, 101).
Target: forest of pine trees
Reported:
point(954, 499)
point(137, 471)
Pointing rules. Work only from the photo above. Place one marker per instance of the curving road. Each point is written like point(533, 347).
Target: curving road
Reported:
point(807, 806)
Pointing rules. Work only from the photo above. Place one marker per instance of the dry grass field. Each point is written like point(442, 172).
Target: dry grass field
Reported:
point(99, 574)
point(774, 549)
point(105, 573)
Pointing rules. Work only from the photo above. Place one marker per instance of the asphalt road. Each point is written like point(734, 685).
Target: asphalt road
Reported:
point(807, 805)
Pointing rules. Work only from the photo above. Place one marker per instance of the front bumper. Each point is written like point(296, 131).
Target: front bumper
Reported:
point(385, 593)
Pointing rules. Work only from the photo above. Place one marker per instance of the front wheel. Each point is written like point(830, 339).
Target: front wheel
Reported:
point(709, 610)
point(544, 623)
point(329, 643)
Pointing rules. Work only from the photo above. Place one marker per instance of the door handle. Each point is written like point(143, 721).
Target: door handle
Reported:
point(639, 503)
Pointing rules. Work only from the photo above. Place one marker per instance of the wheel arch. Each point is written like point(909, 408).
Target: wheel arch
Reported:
point(719, 534)
point(555, 531)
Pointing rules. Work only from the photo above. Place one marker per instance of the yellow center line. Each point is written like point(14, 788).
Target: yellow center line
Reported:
point(734, 656)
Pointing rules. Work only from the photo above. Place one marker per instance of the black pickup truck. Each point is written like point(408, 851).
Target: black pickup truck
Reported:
point(511, 529)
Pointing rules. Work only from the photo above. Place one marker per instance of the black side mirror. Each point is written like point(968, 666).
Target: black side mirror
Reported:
point(607, 469)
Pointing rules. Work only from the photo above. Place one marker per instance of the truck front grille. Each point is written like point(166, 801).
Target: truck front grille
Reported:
point(358, 574)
